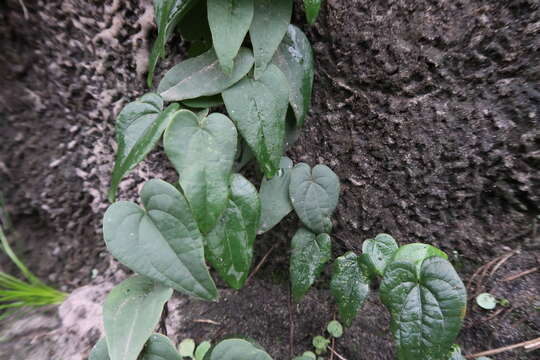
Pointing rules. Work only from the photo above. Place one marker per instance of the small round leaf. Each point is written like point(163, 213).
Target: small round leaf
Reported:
point(486, 301)
point(334, 328)
point(186, 347)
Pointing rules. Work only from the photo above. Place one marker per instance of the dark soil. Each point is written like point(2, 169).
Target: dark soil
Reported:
point(428, 111)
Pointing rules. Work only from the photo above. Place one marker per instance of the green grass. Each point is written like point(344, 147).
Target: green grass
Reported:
point(30, 292)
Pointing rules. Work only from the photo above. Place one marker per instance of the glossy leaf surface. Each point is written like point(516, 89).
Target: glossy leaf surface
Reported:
point(427, 307)
point(138, 129)
point(349, 286)
point(314, 195)
point(229, 22)
point(312, 8)
point(236, 349)
point(168, 14)
point(269, 25)
point(161, 241)
point(309, 253)
point(130, 313)
point(380, 251)
point(258, 107)
point(230, 244)
point(274, 193)
point(294, 58)
point(202, 151)
point(417, 253)
point(202, 76)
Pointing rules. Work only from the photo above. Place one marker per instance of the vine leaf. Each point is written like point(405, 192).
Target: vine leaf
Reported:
point(349, 286)
point(312, 8)
point(168, 14)
point(274, 193)
point(158, 347)
point(294, 58)
point(130, 313)
point(229, 22)
point(309, 253)
point(416, 253)
point(202, 151)
point(258, 107)
point(236, 349)
point(230, 244)
point(202, 76)
point(161, 241)
point(138, 129)
point(380, 251)
point(314, 194)
point(427, 307)
point(269, 25)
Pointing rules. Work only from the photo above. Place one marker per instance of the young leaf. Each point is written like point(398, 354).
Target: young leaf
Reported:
point(202, 76)
point(314, 194)
point(349, 286)
point(312, 8)
point(202, 349)
point(416, 253)
point(236, 349)
point(427, 307)
point(380, 251)
point(100, 351)
point(294, 58)
point(204, 102)
point(168, 14)
point(159, 347)
point(486, 301)
point(334, 328)
point(274, 193)
point(309, 253)
point(230, 244)
point(161, 241)
point(258, 107)
point(229, 22)
point(202, 151)
point(130, 313)
point(269, 25)
point(138, 129)
point(186, 347)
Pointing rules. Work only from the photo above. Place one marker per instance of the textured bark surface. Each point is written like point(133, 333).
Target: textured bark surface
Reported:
point(427, 110)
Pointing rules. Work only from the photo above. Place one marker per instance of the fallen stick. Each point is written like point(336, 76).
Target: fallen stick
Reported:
point(526, 272)
point(527, 345)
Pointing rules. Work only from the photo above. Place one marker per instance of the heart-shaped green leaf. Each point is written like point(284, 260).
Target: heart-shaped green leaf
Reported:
point(161, 241)
point(130, 313)
point(427, 307)
point(202, 76)
point(138, 129)
point(312, 8)
point(168, 14)
point(380, 251)
point(258, 107)
point(349, 286)
point(230, 244)
point(274, 193)
point(100, 351)
point(294, 58)
point(416, 253)
point(236, 349)
point(204, 102)
point(158, 347)
point(202, 151)
point(309, 253)
point(229, 22)
point(314, 195)
point(269, 25)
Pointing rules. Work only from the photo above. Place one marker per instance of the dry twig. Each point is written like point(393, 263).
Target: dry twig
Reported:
point(526, 345)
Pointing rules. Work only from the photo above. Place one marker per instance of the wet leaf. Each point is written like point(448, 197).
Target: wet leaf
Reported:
point(229, 22)
point(380, 251)
point(230, 244)
point(349, 286)
point(269, 25)
point(168, 14)
point(138, 129)
point(202, 76)
point(130, 313)
point(312, 8)
point(161, 241)
point(236, 349)
point(294, 58)
point(274, 193)
point(309, 253)
point(202, 151)
point(258, 107)
point(427, 307)
point(314, 195)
